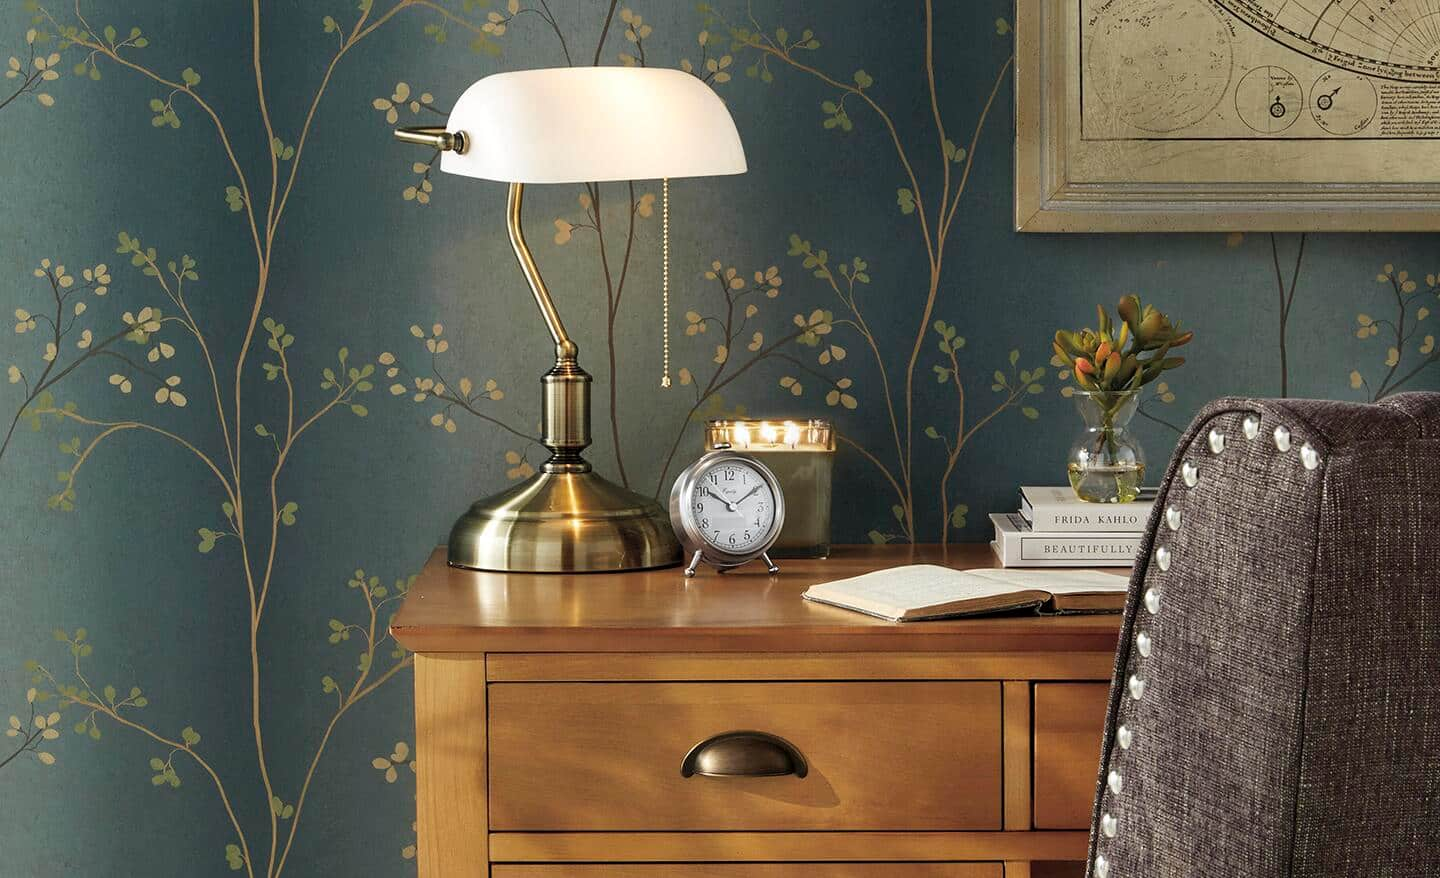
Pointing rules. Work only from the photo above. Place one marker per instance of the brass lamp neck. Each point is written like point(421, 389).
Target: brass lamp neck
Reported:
point(565, 349)
point(565, 389)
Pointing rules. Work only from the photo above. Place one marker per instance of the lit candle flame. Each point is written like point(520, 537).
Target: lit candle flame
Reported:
point(792, 434)
point(768, 433)
point(742, 436)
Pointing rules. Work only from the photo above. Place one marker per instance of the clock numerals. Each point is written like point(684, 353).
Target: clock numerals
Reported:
point(732, 507)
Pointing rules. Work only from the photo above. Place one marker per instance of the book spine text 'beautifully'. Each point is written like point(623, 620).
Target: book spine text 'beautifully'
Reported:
point(1047, 548)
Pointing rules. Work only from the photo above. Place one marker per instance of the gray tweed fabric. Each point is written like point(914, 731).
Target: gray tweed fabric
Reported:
point(1289, 720)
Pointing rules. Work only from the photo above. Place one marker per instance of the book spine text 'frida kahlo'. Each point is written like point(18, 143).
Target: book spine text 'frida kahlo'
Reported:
point(1044, 513)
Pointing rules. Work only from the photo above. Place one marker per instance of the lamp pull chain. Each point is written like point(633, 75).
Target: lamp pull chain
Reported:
point(665, 277)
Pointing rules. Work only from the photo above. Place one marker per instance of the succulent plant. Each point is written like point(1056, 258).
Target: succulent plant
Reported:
point(1111, 360)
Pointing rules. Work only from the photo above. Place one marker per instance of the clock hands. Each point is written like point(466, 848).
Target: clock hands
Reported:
point(746, 496)
point(728, 505)
point(733, 506)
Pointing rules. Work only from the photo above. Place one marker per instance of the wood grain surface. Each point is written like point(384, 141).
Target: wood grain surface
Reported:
point(881, 756)
point(1069, 727)
point(453, 610)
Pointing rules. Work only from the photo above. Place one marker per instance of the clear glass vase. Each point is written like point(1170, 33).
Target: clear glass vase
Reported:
point(1107, 464)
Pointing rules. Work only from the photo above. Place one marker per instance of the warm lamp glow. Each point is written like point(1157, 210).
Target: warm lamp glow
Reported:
point(801, 454)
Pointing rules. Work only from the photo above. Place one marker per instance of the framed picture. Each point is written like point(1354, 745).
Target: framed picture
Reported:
point(1227, 115)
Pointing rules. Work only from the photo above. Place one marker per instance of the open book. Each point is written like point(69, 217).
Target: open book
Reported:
point(927, 591)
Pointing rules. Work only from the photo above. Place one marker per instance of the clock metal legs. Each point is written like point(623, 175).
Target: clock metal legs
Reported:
point(694, 564)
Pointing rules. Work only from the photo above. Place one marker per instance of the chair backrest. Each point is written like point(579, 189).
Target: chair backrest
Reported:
point(1275, 709)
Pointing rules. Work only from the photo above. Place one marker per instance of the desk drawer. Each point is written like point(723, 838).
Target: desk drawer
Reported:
point(877, 756)
point(1069, 729)
point(755, 870)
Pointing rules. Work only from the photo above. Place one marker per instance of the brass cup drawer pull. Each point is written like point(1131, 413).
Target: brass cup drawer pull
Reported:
point(743, 754)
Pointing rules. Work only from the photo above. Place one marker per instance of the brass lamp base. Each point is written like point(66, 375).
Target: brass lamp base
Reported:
point(564, 522)
point(565, 518)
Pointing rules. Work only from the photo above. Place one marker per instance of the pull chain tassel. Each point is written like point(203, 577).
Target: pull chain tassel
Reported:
point(665, 278)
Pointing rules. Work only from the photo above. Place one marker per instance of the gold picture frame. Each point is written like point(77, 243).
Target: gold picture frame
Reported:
point(1303, 177)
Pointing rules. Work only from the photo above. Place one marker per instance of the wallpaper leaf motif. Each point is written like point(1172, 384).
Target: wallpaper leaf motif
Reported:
point(1410, 341)
point(68, 343)
point(614, 271)
point(738, 300)
point(253, 523)
point(33, 72)
point(884, 348)
point(934, 215)
point(934, 227)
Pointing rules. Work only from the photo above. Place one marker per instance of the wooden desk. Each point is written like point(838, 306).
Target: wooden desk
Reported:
point(553, 714)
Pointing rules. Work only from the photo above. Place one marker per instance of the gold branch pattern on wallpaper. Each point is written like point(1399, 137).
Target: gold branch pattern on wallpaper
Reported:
point(932, 205)
point(807, 323)
point(253, 524)
point(1410, 349)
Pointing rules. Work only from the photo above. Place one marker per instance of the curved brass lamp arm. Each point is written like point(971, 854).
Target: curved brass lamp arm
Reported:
point(565, 349)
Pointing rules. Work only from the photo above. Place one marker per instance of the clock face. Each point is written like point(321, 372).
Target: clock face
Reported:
point(732, 507)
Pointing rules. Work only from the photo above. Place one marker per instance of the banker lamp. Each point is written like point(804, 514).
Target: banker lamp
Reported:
point(575, 125)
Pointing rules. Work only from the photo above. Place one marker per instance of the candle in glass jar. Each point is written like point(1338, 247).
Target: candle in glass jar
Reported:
point(801, 453)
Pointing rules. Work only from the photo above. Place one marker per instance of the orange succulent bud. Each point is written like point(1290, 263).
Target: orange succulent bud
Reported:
point(1084, 366)
point(1112, 366)
point(1103, 352)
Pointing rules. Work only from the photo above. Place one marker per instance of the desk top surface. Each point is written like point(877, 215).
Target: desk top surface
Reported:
point(453, 610)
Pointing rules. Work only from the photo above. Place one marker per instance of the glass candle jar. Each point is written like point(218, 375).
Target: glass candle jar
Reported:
point(801, 453)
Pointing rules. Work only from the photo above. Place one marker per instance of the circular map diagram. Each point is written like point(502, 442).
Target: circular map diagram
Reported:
point(1342, 102)
point(1269, 99)
point(1392, 39)
point(1160, 65)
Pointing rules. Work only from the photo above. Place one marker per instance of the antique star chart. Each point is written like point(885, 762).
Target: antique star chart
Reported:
point(1236, 114)
point(1258, 69)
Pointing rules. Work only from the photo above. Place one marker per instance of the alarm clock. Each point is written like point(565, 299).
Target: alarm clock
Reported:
point(727, 510)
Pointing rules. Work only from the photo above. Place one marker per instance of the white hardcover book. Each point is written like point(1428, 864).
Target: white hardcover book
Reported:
point(1058, 509)
point(1016, 544)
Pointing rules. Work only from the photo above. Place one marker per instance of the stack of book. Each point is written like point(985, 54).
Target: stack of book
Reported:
point(1054, 528)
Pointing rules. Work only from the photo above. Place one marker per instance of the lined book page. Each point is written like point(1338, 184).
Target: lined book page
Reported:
point(919, 589)
point(1057, 581)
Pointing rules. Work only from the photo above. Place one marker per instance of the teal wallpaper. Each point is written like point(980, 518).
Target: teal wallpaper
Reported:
point(262, 356)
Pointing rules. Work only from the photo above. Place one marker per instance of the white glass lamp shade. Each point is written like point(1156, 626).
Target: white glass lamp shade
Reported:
point(592, 124)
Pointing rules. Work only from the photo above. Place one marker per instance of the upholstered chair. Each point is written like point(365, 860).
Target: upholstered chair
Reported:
point(1275, 709)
